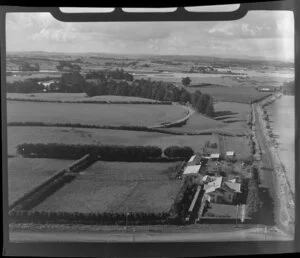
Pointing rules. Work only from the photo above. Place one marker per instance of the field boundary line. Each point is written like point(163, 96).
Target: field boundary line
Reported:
point(71, 169)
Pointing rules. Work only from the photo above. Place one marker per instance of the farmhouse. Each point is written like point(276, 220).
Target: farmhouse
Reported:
point(220, 191)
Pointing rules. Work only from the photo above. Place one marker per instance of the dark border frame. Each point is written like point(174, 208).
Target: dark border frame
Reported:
point(179, 249)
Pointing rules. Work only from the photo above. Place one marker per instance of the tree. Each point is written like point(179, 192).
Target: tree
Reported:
point(186, 81)
point(209, 111)
point(185, 97)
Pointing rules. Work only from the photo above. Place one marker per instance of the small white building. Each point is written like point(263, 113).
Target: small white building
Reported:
point(230, 153)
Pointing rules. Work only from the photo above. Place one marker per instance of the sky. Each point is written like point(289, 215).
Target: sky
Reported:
point(266, 35)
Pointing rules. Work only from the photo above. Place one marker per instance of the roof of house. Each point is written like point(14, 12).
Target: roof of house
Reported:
point(213, 185)
point(192, 169)
point(192, 158)
point(215, 155)
point(236, 187)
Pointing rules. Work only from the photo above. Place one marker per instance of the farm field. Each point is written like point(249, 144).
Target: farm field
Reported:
point(20, 134)
point(197, 78)
point(235, 115)
point(115, 186)
point(78, 97)
point(32, 75)
point(231, 94)
point(104, 114)
point(25, 173)
point(240, 145)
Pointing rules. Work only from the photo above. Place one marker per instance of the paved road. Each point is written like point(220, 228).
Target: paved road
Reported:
point(268, 176)
point(254, 234)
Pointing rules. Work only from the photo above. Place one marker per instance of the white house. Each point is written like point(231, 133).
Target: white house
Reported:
point(220, 191)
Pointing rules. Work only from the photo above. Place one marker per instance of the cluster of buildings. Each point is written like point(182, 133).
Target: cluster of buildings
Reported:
point(215, 189)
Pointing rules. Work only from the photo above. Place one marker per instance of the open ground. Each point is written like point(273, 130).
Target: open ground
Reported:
point(116, 187)
point(104, 114)
point(25, 173)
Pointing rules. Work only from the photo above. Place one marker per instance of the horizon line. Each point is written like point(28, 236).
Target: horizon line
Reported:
point(145, 54)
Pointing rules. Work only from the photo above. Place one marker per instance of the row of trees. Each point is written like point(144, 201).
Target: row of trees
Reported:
point(158, 90)
point(179, 209)
point(253, 200)
point(27, 86)
point(67, 64)
point(178, 151)
point(114, 152)
point(76, 151)
point(105, 218)
point(29, 67)
point(118, 74)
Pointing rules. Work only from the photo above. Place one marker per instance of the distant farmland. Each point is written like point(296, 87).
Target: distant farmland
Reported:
point(20, 134)
point(104, 114)
point(78, 97)
point(116, 187)
point(25, 173)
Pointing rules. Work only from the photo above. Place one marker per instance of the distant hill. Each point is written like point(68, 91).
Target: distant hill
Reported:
point(199, 58)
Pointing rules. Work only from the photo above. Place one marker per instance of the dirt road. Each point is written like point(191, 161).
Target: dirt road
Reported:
point(252, 234)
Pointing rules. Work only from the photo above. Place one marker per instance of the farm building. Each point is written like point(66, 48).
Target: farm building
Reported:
point(194, 169)
point(194, 160)
point(220, 191)
point(215, 156)
point(230, 154)
point(212, 183)
point(196, 196)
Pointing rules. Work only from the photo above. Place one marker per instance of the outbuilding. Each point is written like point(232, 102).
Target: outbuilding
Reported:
point(193, 169)
point(230, 153)
point(215, 156)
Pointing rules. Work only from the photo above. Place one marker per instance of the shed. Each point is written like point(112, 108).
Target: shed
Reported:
point(194, 160)
point(230, 153)
point(194, 169)
point(215, 156)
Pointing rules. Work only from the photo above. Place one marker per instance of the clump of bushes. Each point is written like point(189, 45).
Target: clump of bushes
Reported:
point(213, 145)
point(253, 200)
point(178, 151)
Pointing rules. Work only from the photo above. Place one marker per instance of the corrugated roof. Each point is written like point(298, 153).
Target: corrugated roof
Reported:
point(212, 186)
point(192, 169)
point(234, 186)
